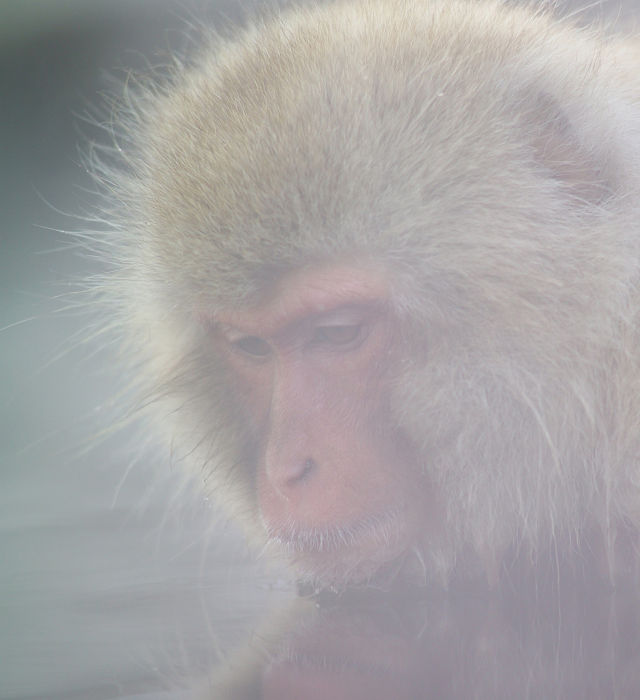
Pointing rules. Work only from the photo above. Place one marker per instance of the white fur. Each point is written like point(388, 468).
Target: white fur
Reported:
point(489, 159)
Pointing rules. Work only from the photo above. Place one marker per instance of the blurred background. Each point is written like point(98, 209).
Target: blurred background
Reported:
point(110, 585)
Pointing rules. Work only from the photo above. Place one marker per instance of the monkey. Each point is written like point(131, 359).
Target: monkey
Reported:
point(374, 265)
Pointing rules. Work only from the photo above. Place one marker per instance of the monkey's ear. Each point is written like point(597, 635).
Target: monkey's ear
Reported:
point(565, 153)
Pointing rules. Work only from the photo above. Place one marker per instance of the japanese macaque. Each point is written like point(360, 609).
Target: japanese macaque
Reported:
point(377, 265)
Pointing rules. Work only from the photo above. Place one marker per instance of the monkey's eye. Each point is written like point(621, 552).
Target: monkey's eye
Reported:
point(338, 334)
point(252, 345)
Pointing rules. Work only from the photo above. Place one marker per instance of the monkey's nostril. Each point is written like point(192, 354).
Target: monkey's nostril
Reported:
point(308, 466)
point(301, 473)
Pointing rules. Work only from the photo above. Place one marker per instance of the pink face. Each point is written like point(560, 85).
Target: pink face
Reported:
point(337, 485)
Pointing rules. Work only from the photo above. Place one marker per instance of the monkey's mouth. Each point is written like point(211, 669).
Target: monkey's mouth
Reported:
point(347, 553)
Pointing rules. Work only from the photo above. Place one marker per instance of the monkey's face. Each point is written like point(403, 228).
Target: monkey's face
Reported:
point(336, 483)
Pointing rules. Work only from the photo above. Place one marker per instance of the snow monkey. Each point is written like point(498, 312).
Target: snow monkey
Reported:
point(376, 263)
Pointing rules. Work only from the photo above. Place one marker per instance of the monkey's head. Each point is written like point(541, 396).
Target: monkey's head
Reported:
point(374, 268)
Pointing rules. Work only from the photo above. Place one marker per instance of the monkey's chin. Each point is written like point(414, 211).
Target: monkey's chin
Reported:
point(367, 552)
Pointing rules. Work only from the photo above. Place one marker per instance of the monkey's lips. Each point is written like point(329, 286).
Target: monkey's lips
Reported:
point(346, 554)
